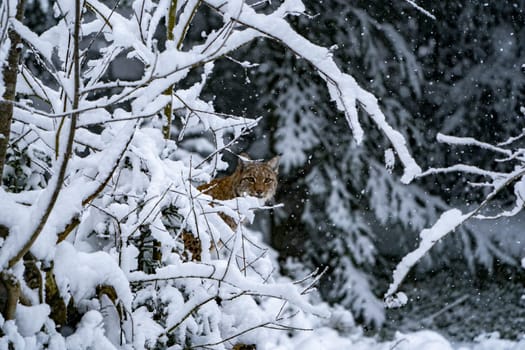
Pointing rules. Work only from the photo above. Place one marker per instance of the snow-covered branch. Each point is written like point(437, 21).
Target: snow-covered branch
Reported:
point(451, 219)
point(343, 88)
point(420, 9)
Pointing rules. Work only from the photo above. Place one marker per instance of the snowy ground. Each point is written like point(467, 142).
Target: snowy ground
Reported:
point(446, 311)
point(484, 313)
point(328, 339)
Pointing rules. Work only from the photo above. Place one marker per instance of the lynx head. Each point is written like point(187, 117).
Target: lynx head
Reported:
point(257, 179)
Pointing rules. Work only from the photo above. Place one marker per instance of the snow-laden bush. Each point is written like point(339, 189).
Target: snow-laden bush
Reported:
point(102, 173)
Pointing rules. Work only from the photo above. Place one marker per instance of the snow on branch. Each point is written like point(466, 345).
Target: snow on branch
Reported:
point(343, 88)
point(445, 224)
point(219, 271)
point(420, 9)
point(470, 141)
point(453, 218)
point(463, 168)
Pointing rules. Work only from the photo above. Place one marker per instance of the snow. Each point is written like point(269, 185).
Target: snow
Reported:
point(448, 221)
point(128, 194)
point(469, 141)
point(185, 17)
point(421, 9)
point(389, 160)
point(343, 88)
point(219, 270)
point(96, 269)
point(422, 340)
point(465, 169)
point(90, 334)
point(30, 319)
point(329, 339)
point(45, 47)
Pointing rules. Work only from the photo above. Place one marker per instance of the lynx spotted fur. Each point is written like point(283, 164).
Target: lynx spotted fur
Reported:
point(250, 178)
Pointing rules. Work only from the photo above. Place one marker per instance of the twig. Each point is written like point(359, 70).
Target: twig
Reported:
point(427, 320)
point(420, 9)
point(397, 343)
point(8, 79)
point(314, 281)
point(231, 337)
point(196, 307)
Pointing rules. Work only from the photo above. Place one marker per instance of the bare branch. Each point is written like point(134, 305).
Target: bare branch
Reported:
point(10, 71)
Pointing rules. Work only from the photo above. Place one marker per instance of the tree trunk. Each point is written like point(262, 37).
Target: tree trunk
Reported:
point(10, 72)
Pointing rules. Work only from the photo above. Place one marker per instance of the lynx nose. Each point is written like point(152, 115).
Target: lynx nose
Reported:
point(259, 193)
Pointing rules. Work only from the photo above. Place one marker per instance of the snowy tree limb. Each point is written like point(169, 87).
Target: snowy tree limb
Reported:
point(342, 87)
point(420, 9)
point(453, 218)
point(233, 277)
point(56, 185)
point(8, 79)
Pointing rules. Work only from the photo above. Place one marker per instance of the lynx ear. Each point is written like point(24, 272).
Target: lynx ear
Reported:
point(244, 157)
point(274, 163)
point(243, 160)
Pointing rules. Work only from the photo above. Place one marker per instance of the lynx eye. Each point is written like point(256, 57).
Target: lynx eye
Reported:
point(268, 180)
point(249, 179)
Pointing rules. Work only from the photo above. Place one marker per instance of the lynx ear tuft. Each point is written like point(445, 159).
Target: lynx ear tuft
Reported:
point(244, 159)
point(274, 163)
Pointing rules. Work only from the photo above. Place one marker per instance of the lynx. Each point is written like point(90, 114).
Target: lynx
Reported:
point(252, 178)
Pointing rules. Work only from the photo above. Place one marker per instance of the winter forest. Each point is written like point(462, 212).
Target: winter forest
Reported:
point(391, 133)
